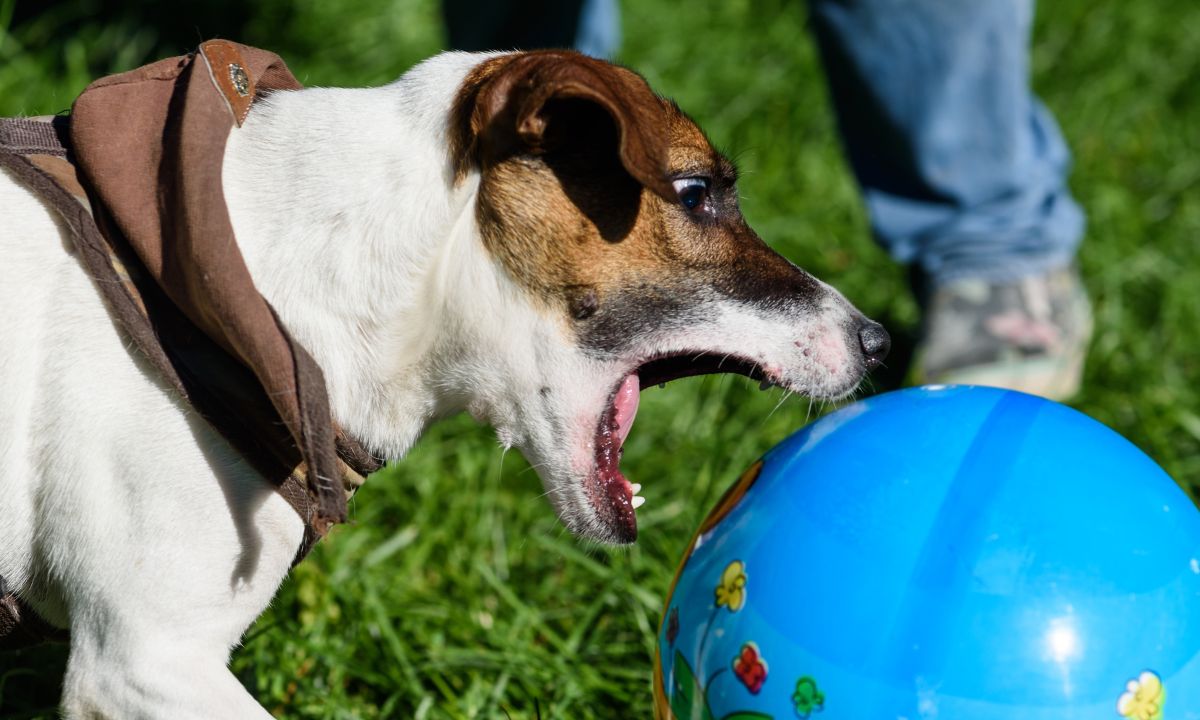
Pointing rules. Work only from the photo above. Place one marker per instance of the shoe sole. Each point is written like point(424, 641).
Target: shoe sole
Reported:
point(1055, 379)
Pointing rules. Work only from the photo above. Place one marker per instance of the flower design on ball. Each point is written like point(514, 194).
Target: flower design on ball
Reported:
point(750, 668)
point(731, 591)
point(673, 625)
point(808, 698)
point(1143, 698)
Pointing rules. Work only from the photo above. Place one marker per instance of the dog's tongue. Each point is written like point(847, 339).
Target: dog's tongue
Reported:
point(626, 405)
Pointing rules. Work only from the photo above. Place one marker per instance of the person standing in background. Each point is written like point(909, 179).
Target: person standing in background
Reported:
point(592, 27)
point(962, 170)
point(964, 175)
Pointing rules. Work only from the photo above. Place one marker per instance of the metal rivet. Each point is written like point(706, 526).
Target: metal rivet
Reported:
point(241, 81)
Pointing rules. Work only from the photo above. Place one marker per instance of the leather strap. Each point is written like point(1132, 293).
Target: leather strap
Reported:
point(37, 152)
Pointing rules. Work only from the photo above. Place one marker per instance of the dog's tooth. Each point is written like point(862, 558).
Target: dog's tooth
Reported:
point(637, 501)
point(637, 488)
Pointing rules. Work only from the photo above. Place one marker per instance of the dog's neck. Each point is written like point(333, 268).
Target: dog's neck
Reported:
point(353, 227)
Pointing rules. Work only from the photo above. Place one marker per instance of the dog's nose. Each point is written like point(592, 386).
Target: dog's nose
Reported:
point(875, 343)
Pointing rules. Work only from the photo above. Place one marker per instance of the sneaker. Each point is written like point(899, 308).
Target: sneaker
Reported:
point(1029, 335)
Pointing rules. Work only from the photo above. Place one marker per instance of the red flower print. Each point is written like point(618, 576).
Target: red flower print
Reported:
point(750, 668)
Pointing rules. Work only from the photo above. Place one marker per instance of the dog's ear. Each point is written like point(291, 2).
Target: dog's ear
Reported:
point(504, 102)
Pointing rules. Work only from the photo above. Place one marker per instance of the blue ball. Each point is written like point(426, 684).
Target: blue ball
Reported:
point(959, 553)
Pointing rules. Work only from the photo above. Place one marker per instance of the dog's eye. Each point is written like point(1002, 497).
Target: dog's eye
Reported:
point(693, 192)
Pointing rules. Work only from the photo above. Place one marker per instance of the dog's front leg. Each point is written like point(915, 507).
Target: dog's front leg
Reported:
point(162, 583)
point(152, 677)
point(172, 585)
point(152, 623)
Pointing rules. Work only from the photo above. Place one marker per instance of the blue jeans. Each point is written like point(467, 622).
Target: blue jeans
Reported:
point(599, 32)
point(591, 26)
point(963, 171)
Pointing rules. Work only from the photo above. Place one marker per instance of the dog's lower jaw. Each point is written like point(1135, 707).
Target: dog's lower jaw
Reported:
point(615, 518)
point(592, 508)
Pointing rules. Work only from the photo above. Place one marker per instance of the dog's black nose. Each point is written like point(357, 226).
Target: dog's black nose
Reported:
point(875, 343)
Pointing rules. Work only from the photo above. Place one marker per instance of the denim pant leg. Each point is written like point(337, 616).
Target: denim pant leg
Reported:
point(590, 26)
point(599, 33)
point(962, 170)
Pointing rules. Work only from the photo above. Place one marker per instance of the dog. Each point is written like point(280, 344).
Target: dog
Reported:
point(530, 237)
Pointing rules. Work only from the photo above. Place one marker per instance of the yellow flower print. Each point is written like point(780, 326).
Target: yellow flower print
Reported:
point(731, 591)
point(1143, 698)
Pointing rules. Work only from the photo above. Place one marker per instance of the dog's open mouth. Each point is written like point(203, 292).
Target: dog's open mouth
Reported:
point(612, 496)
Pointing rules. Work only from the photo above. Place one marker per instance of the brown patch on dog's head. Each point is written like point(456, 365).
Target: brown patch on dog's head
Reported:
point(503, 101)
point(579, 163)
point(619, 222)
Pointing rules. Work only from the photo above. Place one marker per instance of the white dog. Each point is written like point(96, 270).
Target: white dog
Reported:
point(474, 240)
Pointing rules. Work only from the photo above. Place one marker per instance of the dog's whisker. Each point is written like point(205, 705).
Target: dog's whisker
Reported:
point(779, 404)
point(532, 467)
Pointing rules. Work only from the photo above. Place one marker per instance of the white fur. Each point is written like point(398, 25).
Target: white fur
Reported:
point(127, 518)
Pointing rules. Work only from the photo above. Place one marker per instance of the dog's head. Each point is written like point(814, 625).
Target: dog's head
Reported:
point(628, 264)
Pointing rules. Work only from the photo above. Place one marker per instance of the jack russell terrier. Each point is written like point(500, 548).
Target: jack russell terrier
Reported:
point(530, 237)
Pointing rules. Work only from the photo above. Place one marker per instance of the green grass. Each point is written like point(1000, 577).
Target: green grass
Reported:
point(455, 593)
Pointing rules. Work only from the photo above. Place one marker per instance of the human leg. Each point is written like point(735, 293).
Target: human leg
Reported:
point(590, 26)
point(963, 173)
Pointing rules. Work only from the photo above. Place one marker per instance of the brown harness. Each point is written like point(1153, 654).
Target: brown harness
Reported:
point(192, 313)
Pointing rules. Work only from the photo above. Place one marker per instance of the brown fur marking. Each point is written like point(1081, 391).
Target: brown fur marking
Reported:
point(575, 199)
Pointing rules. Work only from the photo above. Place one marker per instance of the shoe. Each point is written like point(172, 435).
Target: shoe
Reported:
point(1029, 335)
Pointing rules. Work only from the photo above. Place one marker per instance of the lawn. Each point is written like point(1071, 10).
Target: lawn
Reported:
point(455, 593)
